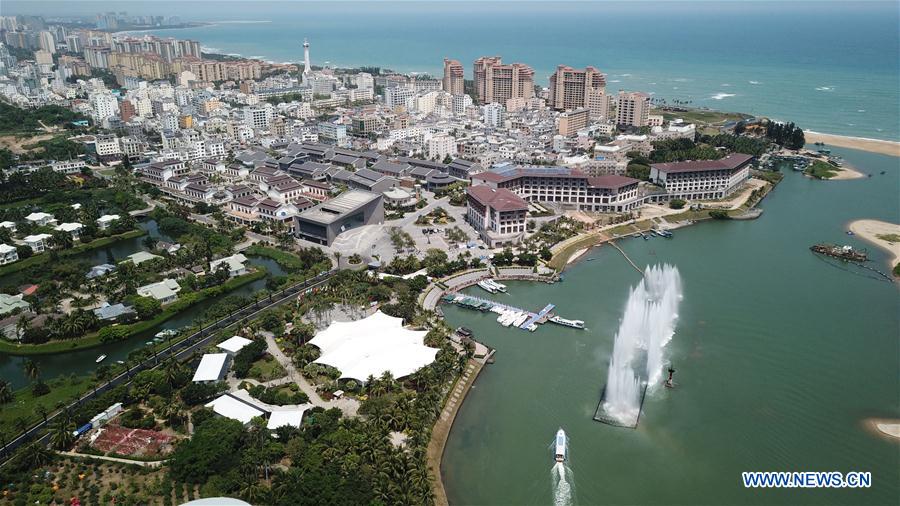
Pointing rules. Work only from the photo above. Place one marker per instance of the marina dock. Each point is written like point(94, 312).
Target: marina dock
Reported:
point(509, 315)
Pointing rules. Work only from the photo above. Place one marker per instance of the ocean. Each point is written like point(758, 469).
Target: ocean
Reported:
point(828, 66)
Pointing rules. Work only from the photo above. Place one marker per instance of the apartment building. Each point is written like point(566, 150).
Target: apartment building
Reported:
point(570, 122)
point(498, 82)
point(633, 109)
point(571, 88)
point(453, 83)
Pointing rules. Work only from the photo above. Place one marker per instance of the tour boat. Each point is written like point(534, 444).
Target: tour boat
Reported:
point(499, 286)
point(575, 324)
point(484, 285)
point(101, 358)
point(522, 318)
point(560, 452)
point(163, 334)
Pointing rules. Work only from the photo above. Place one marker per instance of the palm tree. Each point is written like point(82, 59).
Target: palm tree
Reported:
point(61, 435)
point(43, 411)
point(23, 325)
point(6, 392)
point(36, 455)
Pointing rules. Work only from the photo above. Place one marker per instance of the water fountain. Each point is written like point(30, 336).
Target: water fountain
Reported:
point(637, 361)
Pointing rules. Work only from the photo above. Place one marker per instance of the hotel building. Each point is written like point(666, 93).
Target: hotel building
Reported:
point(496, 82)
point(701, 180)
point(571, 88)
point(570, 122)
point(497, 214)
point(569, 188)
point(453, 77)
point(633, 109)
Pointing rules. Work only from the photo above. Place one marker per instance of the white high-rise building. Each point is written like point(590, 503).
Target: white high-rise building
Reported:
point(47, 42)
point(258, 117)
point(365, 81)
point(460, 104)
point(493, 115)
point(441, 146)
point(394, 97)
point(104, 105)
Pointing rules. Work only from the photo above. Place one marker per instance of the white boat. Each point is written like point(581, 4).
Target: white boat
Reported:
point(101, 358)
point(485, 285)
point(523, 317)
point(575, 324)
point(532, 327)
point(500, 287)
point(508, 319)
point(560, 453)
point(163, 334)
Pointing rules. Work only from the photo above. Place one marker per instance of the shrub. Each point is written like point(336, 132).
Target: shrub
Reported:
point(677, 203)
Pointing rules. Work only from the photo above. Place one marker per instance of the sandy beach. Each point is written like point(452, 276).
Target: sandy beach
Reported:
point(891, 148)
point(847, 172)
point(871, 229)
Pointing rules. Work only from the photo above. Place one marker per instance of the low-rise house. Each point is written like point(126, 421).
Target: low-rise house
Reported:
point(141, 257)
point(10, 303)
point(234, 263)
point(115, 312)
point(40, 219)
point(100, 270)
point(212, 368)
point(8, 254)
point(106, 220)
point(164, 291)
point(234, 344)
point(73, 229)
point(9, 225)
point(37, 242)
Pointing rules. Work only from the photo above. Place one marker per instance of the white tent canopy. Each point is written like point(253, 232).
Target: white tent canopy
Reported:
point(234, 344)
point(287, 415)
point(373, 345)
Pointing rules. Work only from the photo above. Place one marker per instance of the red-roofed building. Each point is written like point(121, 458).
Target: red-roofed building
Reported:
point(702, 179)
point(565, 187)
point(497, 214)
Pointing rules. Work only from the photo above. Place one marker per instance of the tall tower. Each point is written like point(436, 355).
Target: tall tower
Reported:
point(306, 69)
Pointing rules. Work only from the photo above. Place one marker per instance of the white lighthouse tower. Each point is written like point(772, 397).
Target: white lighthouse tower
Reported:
point(306, 69)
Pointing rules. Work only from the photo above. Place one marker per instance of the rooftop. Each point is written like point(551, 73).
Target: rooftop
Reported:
point(343, 204)
point(730, 162)
point(499, 199)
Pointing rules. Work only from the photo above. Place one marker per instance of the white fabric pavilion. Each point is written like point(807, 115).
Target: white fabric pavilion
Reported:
point(372, 346)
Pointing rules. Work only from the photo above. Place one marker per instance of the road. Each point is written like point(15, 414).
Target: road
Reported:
point(181, 350)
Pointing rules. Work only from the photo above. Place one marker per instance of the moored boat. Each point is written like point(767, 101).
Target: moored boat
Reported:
point(575, 324)
point(845, 252)
point(101, 358)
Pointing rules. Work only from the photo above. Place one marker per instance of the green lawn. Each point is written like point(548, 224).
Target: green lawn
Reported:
point(266, 368)
point(821, 170)
point(43, 258)
point(705, 117)
point(25, 405)
point(93, 339)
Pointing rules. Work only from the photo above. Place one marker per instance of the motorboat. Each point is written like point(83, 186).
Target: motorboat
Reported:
point(101, 358)
point(560, 454)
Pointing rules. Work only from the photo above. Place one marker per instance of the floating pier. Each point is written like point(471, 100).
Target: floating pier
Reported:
point(531, 318)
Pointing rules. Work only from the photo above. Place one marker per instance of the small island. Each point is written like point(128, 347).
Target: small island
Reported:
point(882, 234)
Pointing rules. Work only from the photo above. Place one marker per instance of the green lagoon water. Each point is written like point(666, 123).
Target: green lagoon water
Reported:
point(780, 356)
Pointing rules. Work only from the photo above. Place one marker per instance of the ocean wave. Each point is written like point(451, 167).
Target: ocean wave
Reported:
point(681, 79)
point(754, 82)
point(860, 110)
point(674, 87)
point(615, 81)
point(825, 88)
point(720, 96)
point(725, 84)
point(207, 49)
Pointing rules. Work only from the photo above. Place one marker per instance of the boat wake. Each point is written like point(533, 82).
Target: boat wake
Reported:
point(562, 486)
